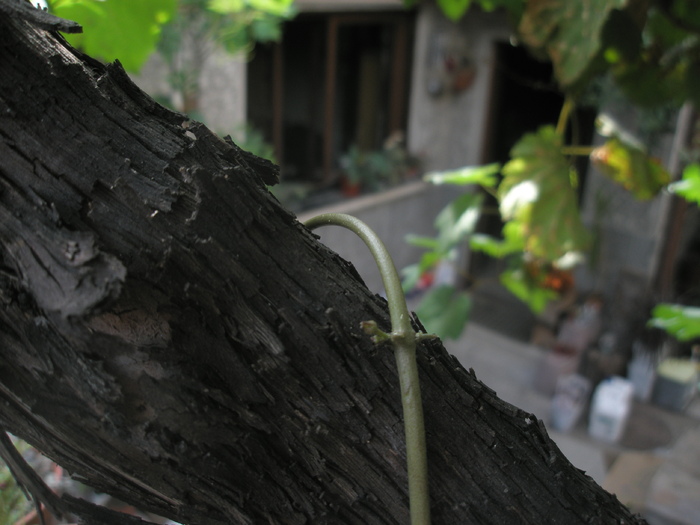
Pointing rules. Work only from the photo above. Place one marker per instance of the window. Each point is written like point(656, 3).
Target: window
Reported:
point(336, 80)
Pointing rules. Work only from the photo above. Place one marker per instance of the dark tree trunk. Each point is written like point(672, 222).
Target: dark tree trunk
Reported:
point(172, 336)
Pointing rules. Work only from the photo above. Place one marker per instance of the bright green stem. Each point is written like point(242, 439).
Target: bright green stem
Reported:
point(564, 115)
point(581, 151)
point(404, 340)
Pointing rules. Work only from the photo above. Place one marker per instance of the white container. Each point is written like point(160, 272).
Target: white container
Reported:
point(610, 408)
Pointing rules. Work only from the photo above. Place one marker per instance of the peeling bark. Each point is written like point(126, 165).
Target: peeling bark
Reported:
point(173, 337)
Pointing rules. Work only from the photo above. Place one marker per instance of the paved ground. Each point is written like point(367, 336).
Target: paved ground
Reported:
point(655, 467)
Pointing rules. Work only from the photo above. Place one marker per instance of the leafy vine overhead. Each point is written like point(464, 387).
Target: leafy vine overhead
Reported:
point(132, 31)
point(182, 31)
point(650, 52)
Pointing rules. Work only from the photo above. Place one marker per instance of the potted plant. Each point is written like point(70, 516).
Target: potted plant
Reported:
point(377, 169)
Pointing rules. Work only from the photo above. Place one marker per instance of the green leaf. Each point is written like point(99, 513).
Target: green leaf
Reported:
point(569, 32)
point(126, 30)
point(431, 259)
point(682, 322)
point(429, 243)
point(454, 9)
point(689, 186)
point(486, 176)
point(411, 275)
point(445, 311)
point(266, 29)
point(14, 502)
point(458, 220)
point(621, 37)
point(512, 242)
point(279, 8)
point(630, 167)
point(650, 84)
point(664, 69)
point(537, 195)
point(514, 7)
point(528, 290)
point(686, 12)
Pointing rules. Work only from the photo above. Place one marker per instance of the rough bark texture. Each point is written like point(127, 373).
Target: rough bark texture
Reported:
point(172, 336)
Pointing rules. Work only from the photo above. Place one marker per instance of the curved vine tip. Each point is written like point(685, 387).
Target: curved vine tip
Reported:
point(404, 338)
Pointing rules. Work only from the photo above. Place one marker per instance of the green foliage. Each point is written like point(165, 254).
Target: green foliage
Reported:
point(279, 8)
point(454, 9)
point(538, 203)
point(455, 223)
point(652, 52)
point(665, 67)
point(116, 29)
point(538, 197)
point(457, 220)
point(689, 185)
point(527, 288)
point(444, 311)
point(373, 170)
point(513, 242)
point(130, 31)
point(13, 503)
point(485, 176)
point(682, 322)
point(569, 32)
point(243, 22)
point(631, 167)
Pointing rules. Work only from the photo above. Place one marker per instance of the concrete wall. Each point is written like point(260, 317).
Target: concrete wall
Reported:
point(449, 129)
point(222, 84)
point(392, 215)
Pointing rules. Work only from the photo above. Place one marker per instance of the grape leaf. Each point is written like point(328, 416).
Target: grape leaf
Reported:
point(569, 32)
point(445, 311)
point(689, 186)
point(486, 176)
point(116, 29)
point(529, 291)
point(537, 195)
point(458, 219)
point(630, 167)
point(512, 242)
point(682, 322)
point(454, 9)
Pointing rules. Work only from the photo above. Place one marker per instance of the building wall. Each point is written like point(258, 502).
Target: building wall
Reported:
point(449, 129)
point(222, 101)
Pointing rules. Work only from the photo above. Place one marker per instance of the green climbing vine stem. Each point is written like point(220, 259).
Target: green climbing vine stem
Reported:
point(564, 114)
point(581, 151)
point(404, 339)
